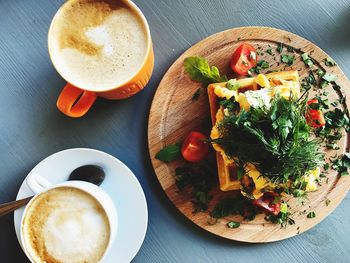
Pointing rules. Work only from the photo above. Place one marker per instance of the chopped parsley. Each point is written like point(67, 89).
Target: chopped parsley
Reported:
point(262, 64)
point(283, 218)
point(201, 178)
point(288, 59)
point(327, 201)
point(310, 79)
point(238, 205)
point(269, 51)
point(320, 72)
point(329, 62)
point(231, 105)
point(342, 164)
point(233, 224)
point(311, 215)
point(337, 119)
point(308, 61)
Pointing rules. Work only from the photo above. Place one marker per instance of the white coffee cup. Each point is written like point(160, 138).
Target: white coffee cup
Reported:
point(40, 185)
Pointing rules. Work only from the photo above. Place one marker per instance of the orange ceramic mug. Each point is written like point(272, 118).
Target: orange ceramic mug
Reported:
point(102, 48)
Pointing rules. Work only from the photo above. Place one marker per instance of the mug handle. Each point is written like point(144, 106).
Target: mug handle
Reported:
point(37, 183)
point(75, 102)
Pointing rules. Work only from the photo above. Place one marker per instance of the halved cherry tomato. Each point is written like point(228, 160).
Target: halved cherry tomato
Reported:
point(314, 117)
point(243, 59)
point(266, 202)
point(194, 148)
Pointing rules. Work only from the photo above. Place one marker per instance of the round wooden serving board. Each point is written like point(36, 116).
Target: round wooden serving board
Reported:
point(173, 115)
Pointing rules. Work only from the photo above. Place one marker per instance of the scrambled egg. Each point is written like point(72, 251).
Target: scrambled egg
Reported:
point(311, 179)
point(223, 92)
point(260, 182)
point(263, 96)
point(262, 81)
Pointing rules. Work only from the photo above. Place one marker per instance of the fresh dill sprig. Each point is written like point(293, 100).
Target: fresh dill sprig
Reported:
point(276, 139)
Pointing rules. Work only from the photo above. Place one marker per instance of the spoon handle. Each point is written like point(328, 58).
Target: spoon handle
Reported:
point(11, 206)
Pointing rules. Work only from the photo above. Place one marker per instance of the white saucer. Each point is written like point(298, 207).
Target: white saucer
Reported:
point(120, 183)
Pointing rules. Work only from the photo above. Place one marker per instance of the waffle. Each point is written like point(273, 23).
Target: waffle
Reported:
point(227, 171)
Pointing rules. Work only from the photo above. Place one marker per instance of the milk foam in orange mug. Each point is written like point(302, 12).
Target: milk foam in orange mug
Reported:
point(101, 48)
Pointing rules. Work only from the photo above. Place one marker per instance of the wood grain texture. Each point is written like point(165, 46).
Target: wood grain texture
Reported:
point(31, 128)
point(173, 115)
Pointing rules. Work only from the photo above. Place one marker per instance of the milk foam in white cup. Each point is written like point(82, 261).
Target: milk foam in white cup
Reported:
point(67, 219)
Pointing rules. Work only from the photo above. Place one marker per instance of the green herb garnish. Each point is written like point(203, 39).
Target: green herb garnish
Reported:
point(169, 153)
point(337, 119)
point(311, 215)
point(329, 62)
point(279, 134)
point(238, 205)
point(201, 178)
point(307, 60)
point(283, 218)
point(320, 72)
point(199, 70)
point(279, 47)
point(231, 105)
point(329, 77)
point(288, 59)
point(342, 164)
point(233, 224)
point(310, 79)
point(327, 201)
point(269, 51)
point(262, 64)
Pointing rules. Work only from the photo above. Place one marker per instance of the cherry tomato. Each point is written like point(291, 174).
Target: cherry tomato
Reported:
point(314, 117)
point(243, 59)
point(194, 148)
point(266, 202)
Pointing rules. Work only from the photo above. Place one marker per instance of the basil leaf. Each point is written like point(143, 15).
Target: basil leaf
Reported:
point(169, 153)
point(199, 70)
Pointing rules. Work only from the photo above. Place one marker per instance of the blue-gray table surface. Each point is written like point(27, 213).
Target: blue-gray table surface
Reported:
point(31, 127)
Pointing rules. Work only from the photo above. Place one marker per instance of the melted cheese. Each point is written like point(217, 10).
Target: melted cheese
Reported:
point(223, 92)
point(262, 81)
point(260, 182)
point(214, 134)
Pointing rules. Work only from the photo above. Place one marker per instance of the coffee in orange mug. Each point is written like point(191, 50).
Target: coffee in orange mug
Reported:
point(101, 48)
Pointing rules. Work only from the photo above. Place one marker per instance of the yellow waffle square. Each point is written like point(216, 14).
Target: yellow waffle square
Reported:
point(283, 82)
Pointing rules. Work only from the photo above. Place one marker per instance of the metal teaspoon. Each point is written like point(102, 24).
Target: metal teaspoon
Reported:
point(88, 173)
